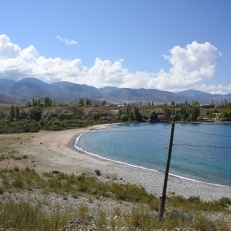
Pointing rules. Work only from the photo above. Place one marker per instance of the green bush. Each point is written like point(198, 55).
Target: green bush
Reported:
point(66, 116)
point(194, 199)
point(98, 172)
point(17, 183)
point(95, 115)
point(224, 201)
point(124, 118)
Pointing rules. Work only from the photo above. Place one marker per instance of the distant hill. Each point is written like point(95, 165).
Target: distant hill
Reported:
point(6, 83)
point(204, 97)
point(66, 92)
point(196, 94)
point(32, 83)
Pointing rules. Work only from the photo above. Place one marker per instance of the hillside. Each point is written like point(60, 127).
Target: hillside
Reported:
point(32, 88)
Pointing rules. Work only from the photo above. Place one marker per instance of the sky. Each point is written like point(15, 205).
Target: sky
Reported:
point(170, 45)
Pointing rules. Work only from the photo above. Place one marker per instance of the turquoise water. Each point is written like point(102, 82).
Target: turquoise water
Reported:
point(201, 151)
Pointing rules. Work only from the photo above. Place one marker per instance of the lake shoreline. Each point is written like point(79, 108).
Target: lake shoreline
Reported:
point(152, 181)
point(49, 151)
point(151, 170)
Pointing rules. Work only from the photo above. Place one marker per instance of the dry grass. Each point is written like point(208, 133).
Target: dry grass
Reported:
point(181, 212)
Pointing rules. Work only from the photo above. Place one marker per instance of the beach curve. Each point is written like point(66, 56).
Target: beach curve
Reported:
point(56, 151)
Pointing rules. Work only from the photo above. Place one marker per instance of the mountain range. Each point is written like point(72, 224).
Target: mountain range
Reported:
point(31, 88)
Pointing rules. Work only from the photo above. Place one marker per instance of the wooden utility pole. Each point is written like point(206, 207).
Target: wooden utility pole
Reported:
point(163, 197)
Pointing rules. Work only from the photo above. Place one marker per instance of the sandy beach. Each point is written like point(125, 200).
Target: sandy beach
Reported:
point(48, 151)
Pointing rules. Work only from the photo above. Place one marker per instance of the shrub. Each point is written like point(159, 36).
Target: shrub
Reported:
point(2, 157)
point(65, 116)
point(57, 122)
point(153, 115)
point(95, 115)
point(56, 128)
point(224, 201)
point(124, 118)
point(203, 223)
point(194, 199)
point(101, 220)
point(35, 114)
point(83, 212)
point(17, 183)
point(16, 169)
point(27, 169)
point(42, 123)
point(98, 172)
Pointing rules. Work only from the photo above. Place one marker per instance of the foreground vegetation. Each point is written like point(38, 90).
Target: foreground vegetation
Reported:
point(20, 210)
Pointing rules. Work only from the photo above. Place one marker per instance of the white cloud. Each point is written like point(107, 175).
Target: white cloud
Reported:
point(191, 67)
point(66, 41)
point(213, 89)
point(17, 64)
point(106, 73)
point(8, 49)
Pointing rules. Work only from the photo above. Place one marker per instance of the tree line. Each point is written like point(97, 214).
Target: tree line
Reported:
point(30, 120)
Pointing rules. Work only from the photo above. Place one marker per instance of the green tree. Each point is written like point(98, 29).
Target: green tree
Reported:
point(194, 112)
point(88, 102)
point(81, 103)
point(225, 115)
point(47, 102)
point(124, 118)
point(167, 113)
point(35, 114)
point(95, 115)
point(17, 113)
point(104, 103)
point(119, 114)
point(183, 113)
point(132, 118)
point(137, 114)
point(128, 109)
point(12, 112)
point(9, 118)
point(153, 116)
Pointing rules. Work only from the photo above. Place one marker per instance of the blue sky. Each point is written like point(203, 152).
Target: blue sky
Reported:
point(159, 44)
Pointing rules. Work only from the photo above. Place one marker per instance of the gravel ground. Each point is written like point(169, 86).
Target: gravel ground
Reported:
point(153, 182)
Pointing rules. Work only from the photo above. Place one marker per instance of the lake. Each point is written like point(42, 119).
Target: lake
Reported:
point(201, 151)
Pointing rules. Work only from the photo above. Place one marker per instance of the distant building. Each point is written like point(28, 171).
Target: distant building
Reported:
point(206, 105)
